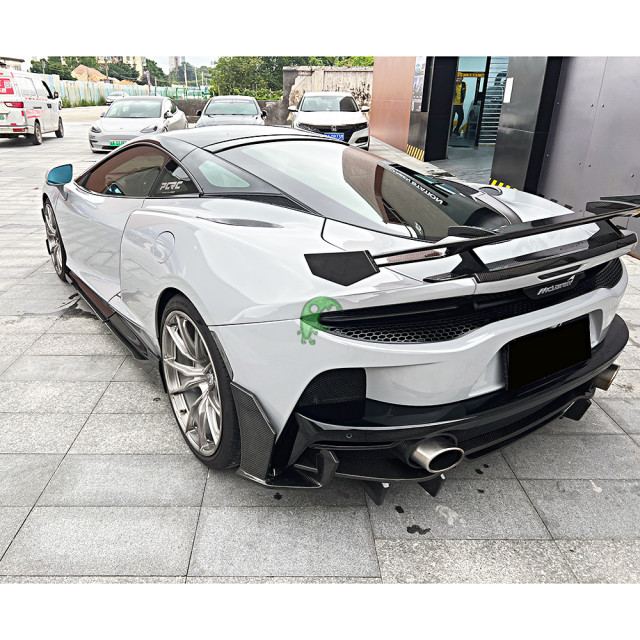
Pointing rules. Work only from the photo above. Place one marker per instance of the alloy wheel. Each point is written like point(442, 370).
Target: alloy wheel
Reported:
point(53, 240)
point(192, 383)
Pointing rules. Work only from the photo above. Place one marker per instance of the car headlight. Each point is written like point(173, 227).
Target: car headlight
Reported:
point(359, 127)
point(149, 129)
point(95, 129)
point(305, 127)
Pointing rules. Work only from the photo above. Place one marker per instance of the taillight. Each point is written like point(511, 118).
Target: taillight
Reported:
point(15, 105)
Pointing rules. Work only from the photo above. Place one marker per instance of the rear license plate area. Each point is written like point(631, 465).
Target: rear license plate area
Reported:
point(537, 356)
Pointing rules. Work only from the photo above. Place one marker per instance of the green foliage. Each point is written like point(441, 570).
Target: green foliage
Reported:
point(158, 76)
point(261, 76)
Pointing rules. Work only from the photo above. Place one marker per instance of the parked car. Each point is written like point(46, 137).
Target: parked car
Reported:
point(333, 114)
point(115, 95)
point(225, 110)
point(316, 311)
point(28, 107)
point(128, 118)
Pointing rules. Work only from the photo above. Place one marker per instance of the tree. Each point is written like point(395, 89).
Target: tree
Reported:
point(51, 66)
point(158, 76)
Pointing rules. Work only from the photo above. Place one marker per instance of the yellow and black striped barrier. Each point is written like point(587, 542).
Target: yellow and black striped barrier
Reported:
point(495, 183)
point(416, 153)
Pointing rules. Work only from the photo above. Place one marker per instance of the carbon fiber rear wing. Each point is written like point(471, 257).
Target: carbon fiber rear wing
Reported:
point(352, 266)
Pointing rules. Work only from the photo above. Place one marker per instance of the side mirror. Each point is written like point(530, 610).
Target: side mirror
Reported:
point(167, 114)
point(292, 108)
point(60, 175)
point(365, 109)
point(102, 115)
point(199, 112)
point(264, 113)
point(55, 94)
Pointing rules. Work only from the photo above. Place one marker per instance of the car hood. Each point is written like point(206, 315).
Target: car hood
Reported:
point(327, 118)
point(206, 120)
point(127, 125)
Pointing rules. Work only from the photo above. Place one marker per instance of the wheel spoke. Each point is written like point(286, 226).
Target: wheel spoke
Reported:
point(185, 386)
point(187, 370)
point(187, 340)
point(214, 418)
point(197, 419)
point(174, 333)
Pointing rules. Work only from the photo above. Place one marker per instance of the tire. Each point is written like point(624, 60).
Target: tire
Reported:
point(55, 247)
point(36, 136)
point(201, 400)
point(60, 129)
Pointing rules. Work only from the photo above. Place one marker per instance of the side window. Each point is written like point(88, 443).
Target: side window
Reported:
point(173, 106)
point(46, 88)
point(26, 85)
point(41, 89)
point(173, 181)
point(130, 173)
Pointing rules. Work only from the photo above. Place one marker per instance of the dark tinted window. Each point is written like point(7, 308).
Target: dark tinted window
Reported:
point(42, 90)
point(358, 188)
point(131, 173)
point(215, 176)
point(173, 181)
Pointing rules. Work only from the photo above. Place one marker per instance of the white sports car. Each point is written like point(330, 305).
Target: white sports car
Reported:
point(317, 311)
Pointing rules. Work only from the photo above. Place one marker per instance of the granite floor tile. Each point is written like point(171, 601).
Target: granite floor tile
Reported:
point(134, 397)
point(78, 324)
point(227, 489)
point(91, 580)
point(283, 542)
point(603, 561)
point(280, 580)
point(50, 397)
point(487, 467)
point(587, 509)
point(39, 432)
point(103, 541)
point(624, 411)
point(67, 368)
point(25, 324)
point(11, 518)
point(151, 433)
point(133, 370)
point(464, 509)
point(472, 561)
point(127, 480)
point(6, 362)
point(77, 345)
point(574, 456)
point(15, 344)
point(24, 476)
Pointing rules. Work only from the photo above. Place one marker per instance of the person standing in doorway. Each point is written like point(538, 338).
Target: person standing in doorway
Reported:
point(458, 102)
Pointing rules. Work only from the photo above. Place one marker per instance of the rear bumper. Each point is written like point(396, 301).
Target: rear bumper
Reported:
point(309, 453)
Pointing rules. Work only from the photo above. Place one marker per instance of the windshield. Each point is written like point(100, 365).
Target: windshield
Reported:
point(328, 103)
point(135, 109)
point(359, 188)
point(231, 108)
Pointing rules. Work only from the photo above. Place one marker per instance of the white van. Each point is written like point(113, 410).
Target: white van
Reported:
point(27, 106)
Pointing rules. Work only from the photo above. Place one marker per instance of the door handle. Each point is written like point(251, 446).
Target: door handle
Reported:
point(49, 105)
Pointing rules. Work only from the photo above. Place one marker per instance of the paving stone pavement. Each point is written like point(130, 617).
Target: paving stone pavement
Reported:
point(96, 484)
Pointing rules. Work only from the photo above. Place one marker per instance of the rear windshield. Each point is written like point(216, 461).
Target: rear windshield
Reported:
point(359, 188)
point(231, 108)
point(328, 103)
point(135, 109)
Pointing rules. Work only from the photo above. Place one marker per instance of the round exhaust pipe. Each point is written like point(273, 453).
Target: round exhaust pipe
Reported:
point(436, 455)
point(605, 379)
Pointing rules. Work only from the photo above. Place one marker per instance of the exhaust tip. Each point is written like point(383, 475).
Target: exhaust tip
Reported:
point(606, 378)
point(436, 455)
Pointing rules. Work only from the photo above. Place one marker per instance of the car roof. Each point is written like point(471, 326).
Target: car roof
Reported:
point(327, 93)
point(144, 97)
point(239, 98)
point(182, 141)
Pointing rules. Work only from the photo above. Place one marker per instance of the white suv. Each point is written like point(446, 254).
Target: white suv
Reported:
point(28, 107)
point(334, 114)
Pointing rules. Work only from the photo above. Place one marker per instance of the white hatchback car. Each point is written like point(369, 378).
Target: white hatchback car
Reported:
point(28, 107)
point(334, 114)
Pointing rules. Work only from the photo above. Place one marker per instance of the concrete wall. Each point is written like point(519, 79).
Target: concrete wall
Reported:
point(297, 80)
point(592, 149)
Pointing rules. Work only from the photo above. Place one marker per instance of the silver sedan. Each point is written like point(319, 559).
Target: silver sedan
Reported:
point(128, 118)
